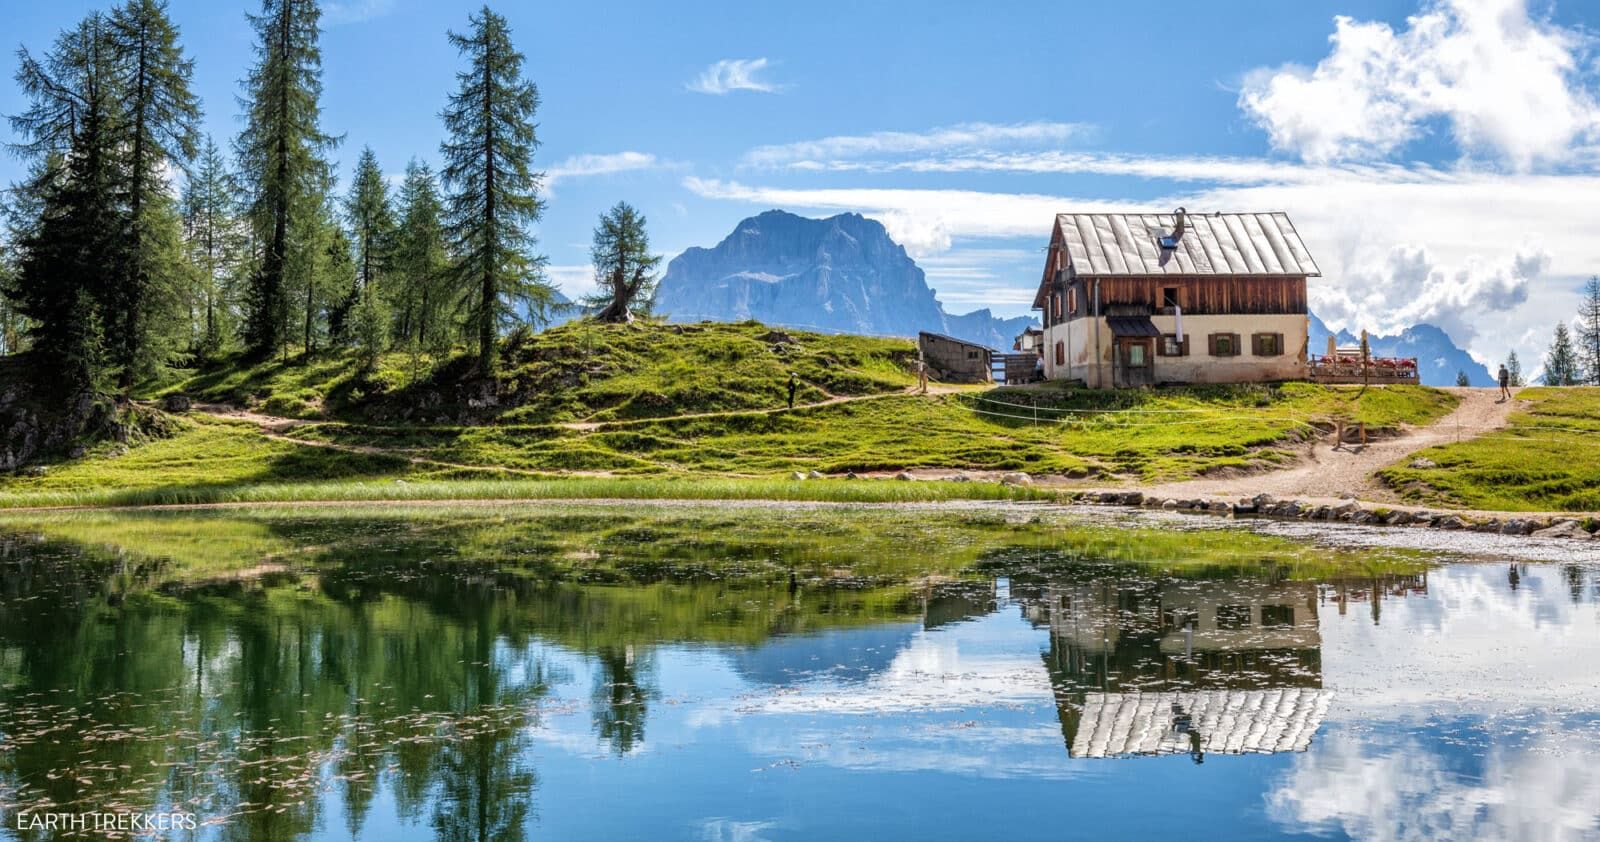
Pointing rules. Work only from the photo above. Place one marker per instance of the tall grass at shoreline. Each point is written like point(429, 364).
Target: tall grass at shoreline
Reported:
point(572, 488)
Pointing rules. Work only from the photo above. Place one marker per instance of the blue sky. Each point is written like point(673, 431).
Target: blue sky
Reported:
point(1438, 159)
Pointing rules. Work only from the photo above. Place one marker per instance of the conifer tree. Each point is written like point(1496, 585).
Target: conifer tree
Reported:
point(323, 275)
point(281, 160)
point(216, 247)
point(494, 192)
point(159, 132)
point(70, 256)
point(420, 262)
point(1589, 332)
point(1561, 362)
point(624, 268)
point(370, 218)
point(1462, 379)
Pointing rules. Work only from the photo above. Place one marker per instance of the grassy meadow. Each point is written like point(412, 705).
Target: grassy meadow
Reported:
point(1546, 459)
point(695, 411)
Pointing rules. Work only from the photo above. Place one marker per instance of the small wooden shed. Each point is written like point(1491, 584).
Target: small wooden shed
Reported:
point(954, 360)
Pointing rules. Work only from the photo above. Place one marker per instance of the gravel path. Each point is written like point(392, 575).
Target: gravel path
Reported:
point(1328, 472)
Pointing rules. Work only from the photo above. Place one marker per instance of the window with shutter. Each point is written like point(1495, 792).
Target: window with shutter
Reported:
point(1224, 344)
point(1267, 344)
point(1061, 353)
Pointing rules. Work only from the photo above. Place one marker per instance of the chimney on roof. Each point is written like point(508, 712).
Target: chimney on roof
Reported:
point(1170, 241)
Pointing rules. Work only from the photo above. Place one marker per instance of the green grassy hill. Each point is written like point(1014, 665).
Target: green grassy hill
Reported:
point(581, 371)
point(682, 410)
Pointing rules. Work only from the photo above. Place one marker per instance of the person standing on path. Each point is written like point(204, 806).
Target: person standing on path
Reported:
point(794, 385)
point(1505, 384)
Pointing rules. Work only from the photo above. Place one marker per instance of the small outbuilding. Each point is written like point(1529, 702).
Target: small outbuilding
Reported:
point(953, 360)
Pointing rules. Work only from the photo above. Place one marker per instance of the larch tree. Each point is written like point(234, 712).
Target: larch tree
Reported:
point(420, 263)
point(159, 134)
point(1589, 332)
point(493, 189)
point(216, 247)
point(624, 268)
point(69, 258)
point(281, 161)
point(1561, 362)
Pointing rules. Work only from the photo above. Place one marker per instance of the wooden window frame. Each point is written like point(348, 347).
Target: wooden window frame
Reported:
point(1233, 344)
point(1183, 347)
point(1257, 346)
point(1061, 353)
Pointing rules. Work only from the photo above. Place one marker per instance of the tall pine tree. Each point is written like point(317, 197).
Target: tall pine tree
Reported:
point(1561, 363)
point(420, 263)
point(494, 192)
point(371, 219)
point(281, 158)
point(1589, 332)
point(159, 133)
point(216, 247)
point(70, 258)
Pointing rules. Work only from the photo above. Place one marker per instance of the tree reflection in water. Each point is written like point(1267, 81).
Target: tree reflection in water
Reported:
point(266, 671)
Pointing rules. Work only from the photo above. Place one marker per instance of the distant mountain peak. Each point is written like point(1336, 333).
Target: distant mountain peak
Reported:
point(841, 273)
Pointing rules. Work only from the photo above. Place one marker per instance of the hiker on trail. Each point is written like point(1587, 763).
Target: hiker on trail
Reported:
point(922, 375)
point(794, 384)
point(1505, 384)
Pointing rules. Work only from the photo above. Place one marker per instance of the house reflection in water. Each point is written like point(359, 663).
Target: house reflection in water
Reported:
point(1146, 666)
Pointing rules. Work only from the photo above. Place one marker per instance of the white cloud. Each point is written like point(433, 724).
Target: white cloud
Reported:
point(607, 164)
point(1410, 789)
point(355, 11)
point(1414, 288)
point(733, 74)
point(575, 280)
point(811, 154)
point(1507, 83)
point(924, 221)
point(972, 278)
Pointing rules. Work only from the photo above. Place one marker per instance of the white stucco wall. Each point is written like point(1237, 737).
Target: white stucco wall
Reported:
point(1199, 366)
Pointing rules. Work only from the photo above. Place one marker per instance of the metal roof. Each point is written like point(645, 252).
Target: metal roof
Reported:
point(1227, 721)
point(1109, 244)
point(1132, 326)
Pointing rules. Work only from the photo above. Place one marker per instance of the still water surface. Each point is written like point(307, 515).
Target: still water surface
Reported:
point(684, 673)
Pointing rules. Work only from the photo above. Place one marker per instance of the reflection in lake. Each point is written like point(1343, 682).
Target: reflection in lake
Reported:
point(589, 671)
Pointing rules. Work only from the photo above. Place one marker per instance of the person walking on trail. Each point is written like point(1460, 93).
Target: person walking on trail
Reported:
point(794, 385)
point(1505, 384)
point(922, 375)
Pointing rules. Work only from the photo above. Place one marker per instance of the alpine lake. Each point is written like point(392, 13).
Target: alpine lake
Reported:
point(746, 672)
